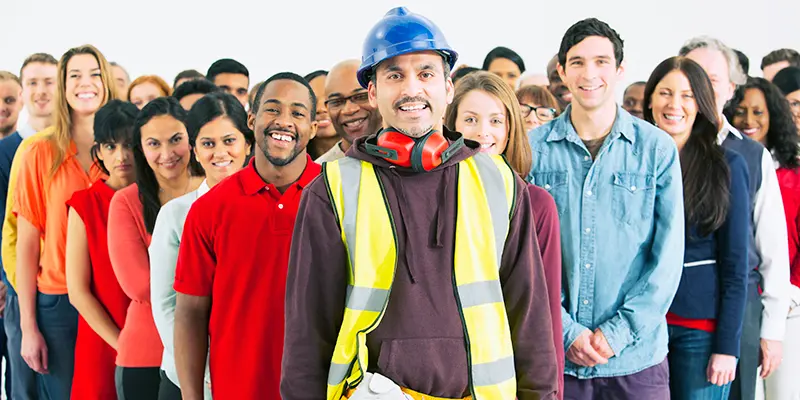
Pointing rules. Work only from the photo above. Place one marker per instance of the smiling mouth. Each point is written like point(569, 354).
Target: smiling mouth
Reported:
point(413, 108)
point(750, 131)
point(670, 117)
point(86, 96)
point(281, 137)
point(170, 164)
point(590, 88)
point(354, 124)
point(486, 146)
point(222, 164)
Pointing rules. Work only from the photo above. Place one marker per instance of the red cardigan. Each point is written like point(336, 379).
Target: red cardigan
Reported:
point(789, 180)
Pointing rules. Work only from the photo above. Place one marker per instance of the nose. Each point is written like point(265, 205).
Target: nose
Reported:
point(412, 86)
point(749, 118)
point(284, 121)
point(533, 120)
point(350, 107)
point(486, 125)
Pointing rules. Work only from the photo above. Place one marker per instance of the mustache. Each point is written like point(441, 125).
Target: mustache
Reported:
point(409, 99)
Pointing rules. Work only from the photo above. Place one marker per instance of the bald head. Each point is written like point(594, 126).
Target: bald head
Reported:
point(348, 103)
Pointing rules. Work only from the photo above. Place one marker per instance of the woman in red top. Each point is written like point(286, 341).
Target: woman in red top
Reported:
point(759, 110)
point(165, 169)
point(91, 284)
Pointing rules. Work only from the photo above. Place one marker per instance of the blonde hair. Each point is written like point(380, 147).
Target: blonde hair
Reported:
point(62, 132)
point(155, 80)
point(518, 150)
point(9, 76)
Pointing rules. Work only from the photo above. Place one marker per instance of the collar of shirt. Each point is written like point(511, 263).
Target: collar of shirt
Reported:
point(252, 182)
point(563, 128)
point(26, 131)
point(727, 128)
point(203, 188)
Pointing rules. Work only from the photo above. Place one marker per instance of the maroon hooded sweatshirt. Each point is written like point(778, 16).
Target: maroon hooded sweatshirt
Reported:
point(420, 342)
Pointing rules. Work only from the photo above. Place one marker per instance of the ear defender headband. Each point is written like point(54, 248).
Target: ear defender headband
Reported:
point(421, 154)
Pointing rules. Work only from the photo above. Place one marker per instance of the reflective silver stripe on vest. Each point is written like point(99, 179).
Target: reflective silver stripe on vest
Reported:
point(350, 171)
point(479, 293)
point(493, 373)
point(495, 188)
point(366, 299)
point(337, 373)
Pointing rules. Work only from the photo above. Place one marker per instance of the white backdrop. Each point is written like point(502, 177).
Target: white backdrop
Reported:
point(164, 37)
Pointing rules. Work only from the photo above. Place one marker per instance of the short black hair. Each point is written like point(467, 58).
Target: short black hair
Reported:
point(113, 124)
point(462, 72)
point(585, 28)
point(639, 83)
point(503, 52)
point(787, 80)
point(195, 86)
point(187, 74)
point(744, 62)
point(226, 66)
point(316, 74)
point(789, 55)
point(283, 76)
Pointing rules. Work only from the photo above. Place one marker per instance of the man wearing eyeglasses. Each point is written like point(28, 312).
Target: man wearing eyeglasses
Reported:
point(348, 106)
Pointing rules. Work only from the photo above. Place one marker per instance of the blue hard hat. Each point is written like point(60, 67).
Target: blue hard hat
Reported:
point(401, 32)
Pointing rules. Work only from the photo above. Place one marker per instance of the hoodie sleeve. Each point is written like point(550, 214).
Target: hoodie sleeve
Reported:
point(314, 301)
point(525, 293)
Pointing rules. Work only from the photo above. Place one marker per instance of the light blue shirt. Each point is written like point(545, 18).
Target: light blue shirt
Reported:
point(163, 259)
point(622, 235)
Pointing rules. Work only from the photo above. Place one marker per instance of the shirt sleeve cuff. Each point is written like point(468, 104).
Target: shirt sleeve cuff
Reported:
point(772, 327)
point(618, 334)
point(571, 333)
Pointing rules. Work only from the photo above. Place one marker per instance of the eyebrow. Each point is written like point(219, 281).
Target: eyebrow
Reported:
point(276, 101)
point(337, 94)
point(491, 115)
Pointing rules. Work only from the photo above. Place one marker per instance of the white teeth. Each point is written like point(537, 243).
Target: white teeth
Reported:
point(285, 138)
point(673, 117)
point(590, 88)
point(222, 164)
point(486, 145)
point(86, 95)
point(354, 124)
point(413, 108)
point(750, 131)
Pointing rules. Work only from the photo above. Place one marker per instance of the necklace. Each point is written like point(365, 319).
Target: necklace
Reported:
point(185, 189)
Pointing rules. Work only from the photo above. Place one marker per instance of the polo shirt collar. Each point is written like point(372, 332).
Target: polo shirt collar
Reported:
point(252, 182)
point(563, 129)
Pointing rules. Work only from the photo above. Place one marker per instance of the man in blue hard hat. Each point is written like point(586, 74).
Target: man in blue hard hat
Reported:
point(415, 270)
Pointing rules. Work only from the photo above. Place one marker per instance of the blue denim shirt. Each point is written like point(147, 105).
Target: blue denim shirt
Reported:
point(622, 236)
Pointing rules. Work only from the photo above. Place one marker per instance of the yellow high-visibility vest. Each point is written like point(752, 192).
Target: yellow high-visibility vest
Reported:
point(486, 194)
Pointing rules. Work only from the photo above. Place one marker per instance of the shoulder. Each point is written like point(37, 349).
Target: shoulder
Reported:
point(541, 133)
point(178, 206)
point(127, 197)
point(541, 198)
point(649, 135)
point(222, 193)
point(9, 144)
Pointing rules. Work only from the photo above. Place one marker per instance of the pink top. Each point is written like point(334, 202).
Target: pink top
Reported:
point(139, 344)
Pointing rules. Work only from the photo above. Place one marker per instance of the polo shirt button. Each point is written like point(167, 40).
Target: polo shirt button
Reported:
point(280, 206)
point(586, 302)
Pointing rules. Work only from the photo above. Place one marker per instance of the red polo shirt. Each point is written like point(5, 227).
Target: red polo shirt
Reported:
point(235, 248)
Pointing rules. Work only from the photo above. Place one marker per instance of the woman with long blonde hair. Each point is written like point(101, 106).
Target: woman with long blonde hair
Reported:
point(485, 110)
point(53, 167)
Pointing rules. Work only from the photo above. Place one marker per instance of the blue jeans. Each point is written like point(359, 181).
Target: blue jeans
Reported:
point(689, 352)
point(24, 385)
point(58, 322)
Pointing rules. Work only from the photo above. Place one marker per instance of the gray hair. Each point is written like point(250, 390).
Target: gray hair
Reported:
point(737, 76)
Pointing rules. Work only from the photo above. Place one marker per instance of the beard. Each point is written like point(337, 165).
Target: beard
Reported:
point(263, 145)
point(415, 132)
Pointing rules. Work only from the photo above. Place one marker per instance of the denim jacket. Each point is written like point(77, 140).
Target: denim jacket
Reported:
point(622, 235)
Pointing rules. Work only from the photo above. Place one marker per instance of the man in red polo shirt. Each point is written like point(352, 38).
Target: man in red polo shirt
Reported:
point(231, 272)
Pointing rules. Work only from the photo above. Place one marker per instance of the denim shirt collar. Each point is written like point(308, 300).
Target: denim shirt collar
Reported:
point(563, 129)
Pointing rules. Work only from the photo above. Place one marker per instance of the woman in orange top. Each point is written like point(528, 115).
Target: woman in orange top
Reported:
point(165, 169)
point(51, 170)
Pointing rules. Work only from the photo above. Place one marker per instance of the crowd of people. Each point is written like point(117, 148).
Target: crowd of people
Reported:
point(404, 227)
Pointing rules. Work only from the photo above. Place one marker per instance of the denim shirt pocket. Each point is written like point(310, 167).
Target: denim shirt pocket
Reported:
point(557, 184)
point(633, 197)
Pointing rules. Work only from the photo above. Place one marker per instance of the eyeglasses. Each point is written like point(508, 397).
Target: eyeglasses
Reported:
point(543, 113)
point(339, 102)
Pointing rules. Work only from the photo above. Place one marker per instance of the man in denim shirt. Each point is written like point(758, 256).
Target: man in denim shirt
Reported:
point(617, 183)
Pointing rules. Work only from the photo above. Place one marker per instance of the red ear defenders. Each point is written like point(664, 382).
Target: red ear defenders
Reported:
point(420, 154)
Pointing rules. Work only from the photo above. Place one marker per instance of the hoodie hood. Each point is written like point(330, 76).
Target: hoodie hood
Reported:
point(359, 152)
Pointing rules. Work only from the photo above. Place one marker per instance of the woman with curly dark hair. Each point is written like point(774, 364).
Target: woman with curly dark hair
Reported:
point(760, 110)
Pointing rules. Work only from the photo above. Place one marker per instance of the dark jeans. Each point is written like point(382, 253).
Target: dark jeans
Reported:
point(58, 322)
point(689, 352)
point(651, 384)
point(744, 386)
point(137, 383)
point(4, 354)
point(168, 390)
point(24, 384)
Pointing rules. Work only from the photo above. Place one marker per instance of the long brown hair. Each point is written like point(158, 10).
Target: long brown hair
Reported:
point(538, 95)
point(62, 133)
point(518, 150)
